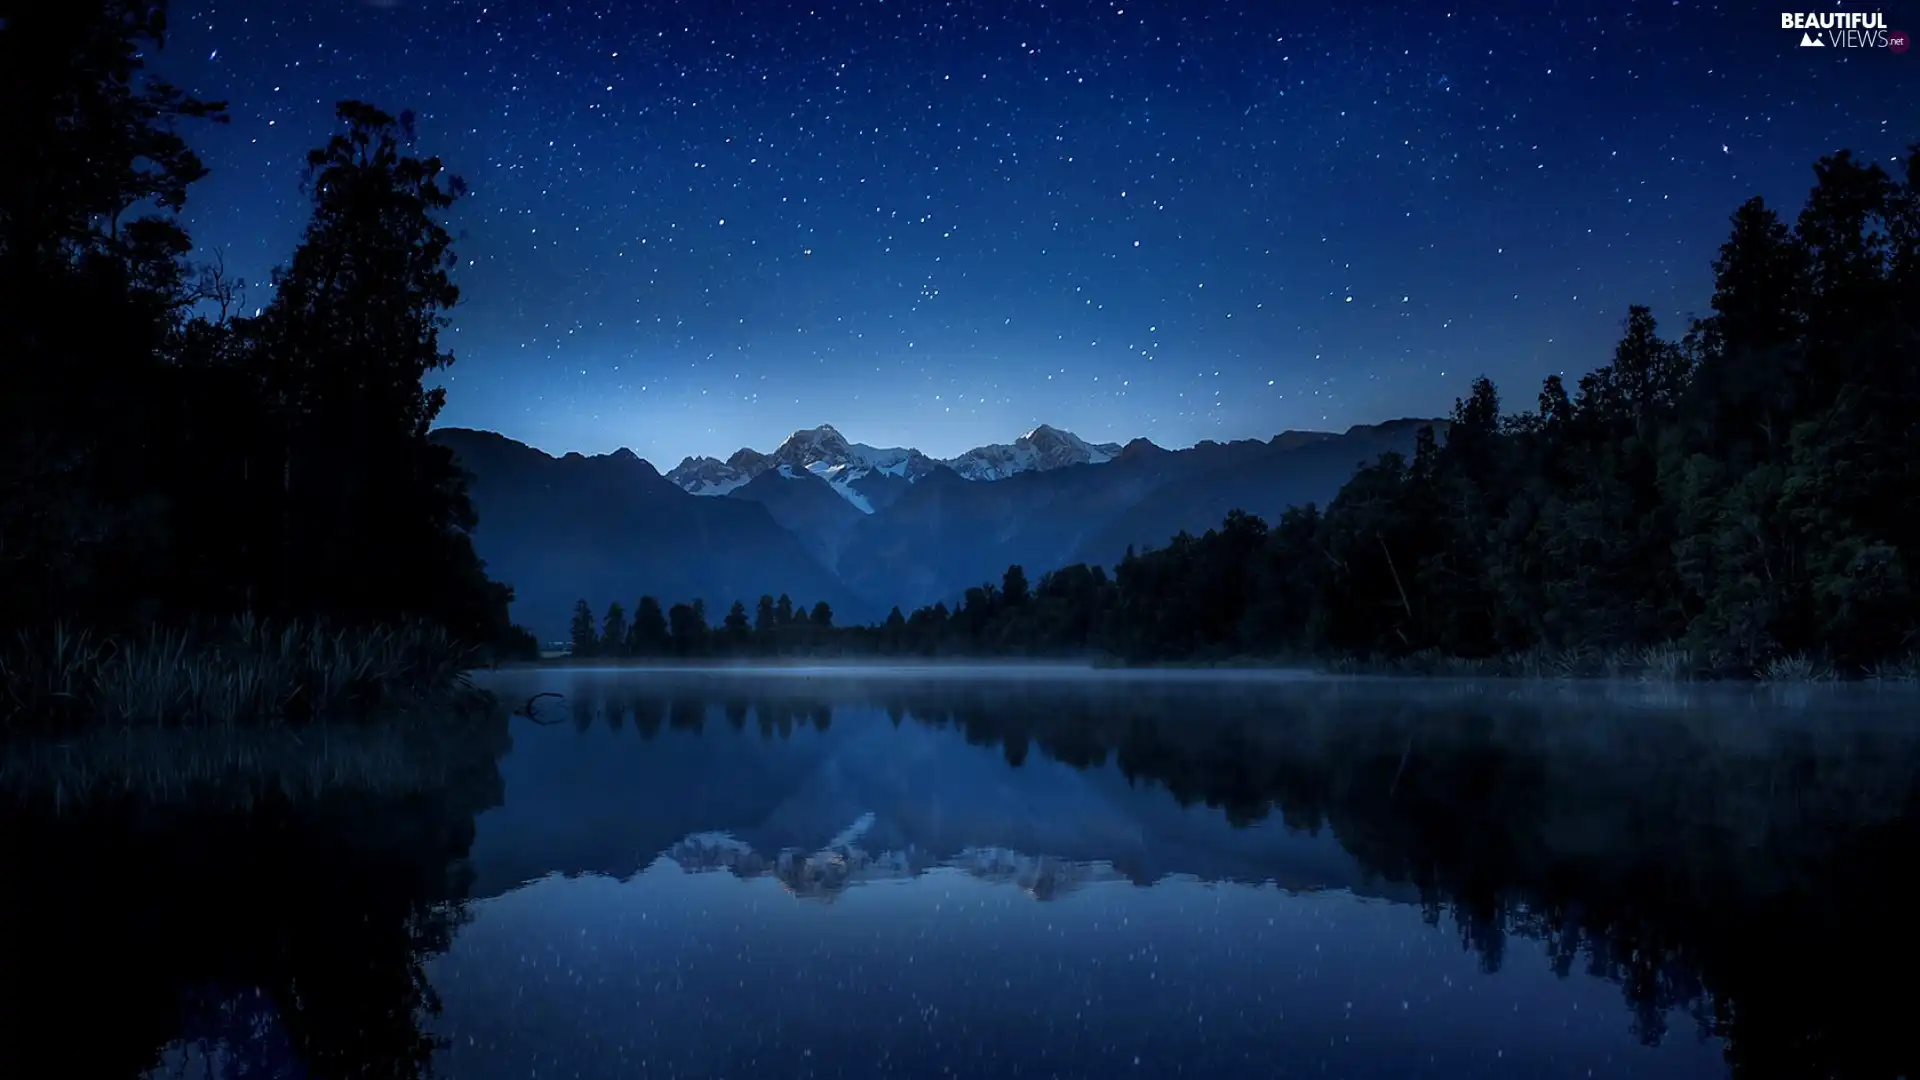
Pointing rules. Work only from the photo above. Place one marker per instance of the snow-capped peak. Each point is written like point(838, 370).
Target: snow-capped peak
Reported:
point(821, 452)
point(708, 476)
point(1045, 447)
point(814, 444)
point(846, 862)
point(849, 466)
point(827, 454)
point(747, 460)
point(824, 451)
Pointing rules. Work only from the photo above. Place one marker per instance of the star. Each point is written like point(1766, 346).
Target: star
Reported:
point(852, 211)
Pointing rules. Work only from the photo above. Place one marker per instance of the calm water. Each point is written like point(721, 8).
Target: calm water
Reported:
point(912, 876)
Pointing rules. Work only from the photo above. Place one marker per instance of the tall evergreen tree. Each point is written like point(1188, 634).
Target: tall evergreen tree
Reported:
point(613, 630)
point(687, 623)
point(1013, 586)
point(739, 628)
point(374, 518)
point(90, 298)
point(585, 641)
point(648, 635)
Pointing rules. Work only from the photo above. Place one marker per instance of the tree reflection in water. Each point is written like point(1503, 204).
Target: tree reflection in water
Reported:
point(286, 941)
point(1745, 866)
point(1741, 862)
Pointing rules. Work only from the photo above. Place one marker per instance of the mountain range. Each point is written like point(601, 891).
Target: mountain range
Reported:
point(861, 527)
point(830, 806)
point(869, 477)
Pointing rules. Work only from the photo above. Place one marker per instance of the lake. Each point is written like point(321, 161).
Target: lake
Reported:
point(925, 873)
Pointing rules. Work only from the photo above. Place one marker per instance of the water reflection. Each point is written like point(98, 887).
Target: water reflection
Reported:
point(287, 941)
point(730, 876)
point(1728, 860)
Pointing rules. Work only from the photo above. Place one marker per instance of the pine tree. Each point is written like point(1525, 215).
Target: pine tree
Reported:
point(91, 302)
point(585, 642)
point(648, 634)
point(1013, 587)
point(739, 628)
point(687, 623)
point(374, 520)
point(613, 631)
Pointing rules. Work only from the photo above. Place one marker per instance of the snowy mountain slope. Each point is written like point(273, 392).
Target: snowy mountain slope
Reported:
point(711, 476)
point(1039, 450)
point(865, 476)
point(807, 506)
point(870, 477)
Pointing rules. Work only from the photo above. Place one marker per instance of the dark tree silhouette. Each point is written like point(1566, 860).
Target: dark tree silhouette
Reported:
point(739, 628)
point(90, 302)
point(1744, 498)
point(163, 460)
point(687, 623)
point(648, 634)
point(585, 641)
point(374, 514)
point(613, 630)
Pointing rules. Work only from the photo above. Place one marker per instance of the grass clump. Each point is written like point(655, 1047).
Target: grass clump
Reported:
point(237, 713)
point(229, 768)
point(1795, 668)
point(243, 674)
point(1903, 670)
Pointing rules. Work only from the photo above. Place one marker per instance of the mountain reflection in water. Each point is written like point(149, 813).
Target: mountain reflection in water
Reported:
point(757, 875)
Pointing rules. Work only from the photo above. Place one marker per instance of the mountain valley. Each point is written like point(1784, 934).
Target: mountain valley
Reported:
point(864, 528)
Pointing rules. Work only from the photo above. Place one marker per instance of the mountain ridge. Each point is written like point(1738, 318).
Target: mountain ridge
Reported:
point(610, 527)
point(867, 528)
point(860, 473)
point(947, 534)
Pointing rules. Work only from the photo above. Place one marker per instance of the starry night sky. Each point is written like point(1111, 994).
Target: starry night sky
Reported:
point(701, 225)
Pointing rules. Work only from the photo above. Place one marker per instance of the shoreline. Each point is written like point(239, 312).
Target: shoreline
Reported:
point(1654, 664)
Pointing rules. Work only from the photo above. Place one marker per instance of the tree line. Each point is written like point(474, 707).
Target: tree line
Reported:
point(1505, 831)
point(682, 629)
point(1743, 497)
point(172, 452)
point(1740, 496)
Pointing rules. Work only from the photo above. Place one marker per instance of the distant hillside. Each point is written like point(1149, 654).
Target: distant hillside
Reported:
point(946, 533)
point(807, 505)
point(1292, 469)
point(610, 527)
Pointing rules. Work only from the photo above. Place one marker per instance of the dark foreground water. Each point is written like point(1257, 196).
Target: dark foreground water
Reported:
point(930, 876)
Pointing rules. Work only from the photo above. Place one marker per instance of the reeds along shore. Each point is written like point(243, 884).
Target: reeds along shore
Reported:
point(244, 673)
point(243, 710)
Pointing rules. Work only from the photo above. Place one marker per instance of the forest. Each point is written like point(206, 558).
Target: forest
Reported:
point(190, 474)
point(217, 505)
point(1739, 501)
